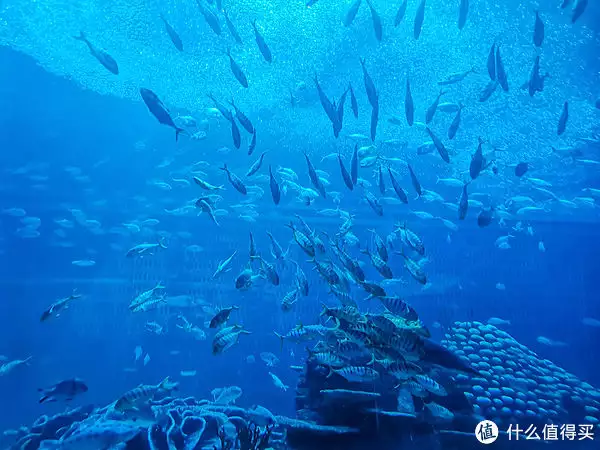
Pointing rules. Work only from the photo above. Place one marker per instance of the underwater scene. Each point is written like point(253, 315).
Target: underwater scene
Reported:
point(303, 225)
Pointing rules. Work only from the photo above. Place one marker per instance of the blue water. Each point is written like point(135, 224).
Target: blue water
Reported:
point(48, 123)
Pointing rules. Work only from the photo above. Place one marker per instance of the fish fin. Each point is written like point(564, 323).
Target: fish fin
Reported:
point(179, 131)
point(81, 37)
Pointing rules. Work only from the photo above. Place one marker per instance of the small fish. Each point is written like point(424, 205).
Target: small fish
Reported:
point(376, 21)
point(487, 92)
point(256, 166)
point(222, 317)
point(141, 394)
point(64, 390)
point(491, 62)
point(455, 123)
point(369, 85)
point(242, 118)
point(278, 383)
point(104, 58)
point(463, 204)
point(521, 169)
point(415, 181)
point(210, 18)
point(274, 187)
point(224, 266)
point(439, 145)
point(55, 309)
point(409, 106)
point(146, 359)
point(578, 10)
point(485, 217)
point(175, 39)
point(314, 178)
point(235, 134)
point(562, 121)
point(419, 17)
point(400, 14)
point(353, 101)
point(500, 71)
point(237, 71)
point(252, 144)
point(262, 45)
point(433, 108)
point(351, 13)
point(397, 188)
point(538, 30)
point(463, 11)
point(235, 181)
point(232, 28)
point(84, 263)
point(354, 166)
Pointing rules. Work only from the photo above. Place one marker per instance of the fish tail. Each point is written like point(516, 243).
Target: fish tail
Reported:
point(161, 243)
point(81, 37)
point(44, 399)
point(179, 131)
point(224, 167)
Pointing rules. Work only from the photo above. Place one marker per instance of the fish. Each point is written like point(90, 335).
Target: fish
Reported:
point(232, 29)
point(221, 108)
point(376, 21)
point(210, 17)
point(562, 121)
point(274, 187)
point(314, 178)
point(354, 166)
point(143, 249)
point(64, 390)
point(401, 13)
point(369, 86)
point(463, 11)
point(477, 161)
point(485, 217)
point(207, 186)
point(252, 144)
point(578, 10)
point(262, 45)
point(224, 266)
point(433, 108)
point(453, 79)
point(415, 181)
point(353, 102)
point(500, 71)
point(175, 39)
point(237, 71)
point(241, 117)
point(235, 181)
point(419, 18)
point(374, 121)
point(257, 164)
point(455, 123)
point(235, 134)
point(159, 110)
point(55, 309)
point(345, 175)
point(351, 13)
point(487, 92)
point(374, 203)
point(439, 145)
point(521, 169)
point(409, 106)
point(103, 58)
point(491, 62)
point(397, 188)
point(222, 317)
point(463, 204)
point(538, 30)
point(141, 394)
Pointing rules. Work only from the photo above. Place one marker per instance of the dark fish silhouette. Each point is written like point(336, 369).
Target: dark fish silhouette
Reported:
point(491, 62)
point(275, 191)
point(104, 58)
point(63, 390)
point(538, 30)
point(175, 39)
point(211, 19)
point(232, 28)
point(262, 45)
point(564, 117)
point(401, 13)
point(159, 110)
point(351, 14)
point(521, 169)
point(462, 13)
point(419, 17)
point(237, 71)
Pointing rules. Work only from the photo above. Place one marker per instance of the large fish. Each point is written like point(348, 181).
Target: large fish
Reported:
point(159, 110)
point(64, 390)
point(104, 58)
